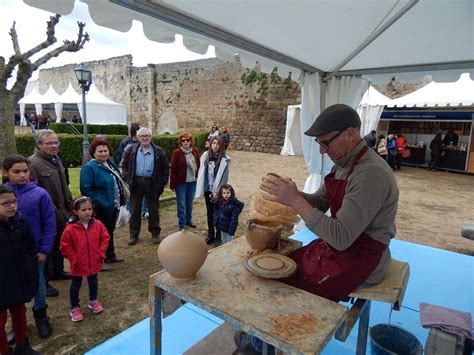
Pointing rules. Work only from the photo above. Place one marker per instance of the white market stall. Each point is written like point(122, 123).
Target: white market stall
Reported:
point(370, 109)
point(34, 98)
point(436, 108)
point(332, 47)
point(52, 97)
point(101, 109)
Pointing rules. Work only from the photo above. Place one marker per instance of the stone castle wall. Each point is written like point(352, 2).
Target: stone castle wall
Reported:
point(193, 96)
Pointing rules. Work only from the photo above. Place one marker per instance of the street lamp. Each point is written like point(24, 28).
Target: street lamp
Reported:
point(84, 77)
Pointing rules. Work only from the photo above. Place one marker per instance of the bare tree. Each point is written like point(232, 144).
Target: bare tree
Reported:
point(21, 61)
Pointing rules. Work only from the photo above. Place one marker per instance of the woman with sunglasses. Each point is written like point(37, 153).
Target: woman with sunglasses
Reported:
point(183, 176)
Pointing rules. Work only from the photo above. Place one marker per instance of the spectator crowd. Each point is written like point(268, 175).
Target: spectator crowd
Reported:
point(41, 223)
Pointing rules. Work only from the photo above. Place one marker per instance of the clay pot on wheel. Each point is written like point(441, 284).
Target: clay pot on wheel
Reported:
point(261, 236)
point(182, 254)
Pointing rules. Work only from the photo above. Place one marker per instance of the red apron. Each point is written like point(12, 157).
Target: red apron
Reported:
point(330, 273)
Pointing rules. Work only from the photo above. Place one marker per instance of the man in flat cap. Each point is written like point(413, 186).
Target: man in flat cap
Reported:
point(361, 194)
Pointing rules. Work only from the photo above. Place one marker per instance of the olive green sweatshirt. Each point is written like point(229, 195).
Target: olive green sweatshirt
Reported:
point(369, 206)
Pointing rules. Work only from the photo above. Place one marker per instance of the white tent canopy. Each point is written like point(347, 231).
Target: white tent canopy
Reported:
point(459, 93)
point(33, 97)
point(52, 97)
point(293, 132)
point(370, 109)
point(101, 109)
point(332, 47)
point(70, 96)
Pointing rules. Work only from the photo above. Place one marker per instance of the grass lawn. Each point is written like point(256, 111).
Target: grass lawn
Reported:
point(74, 184)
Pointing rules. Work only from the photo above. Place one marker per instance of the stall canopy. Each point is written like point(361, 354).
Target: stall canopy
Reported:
point(34, 98)
point(458, 93)
point(102, 110)
point(370, 109)
point(52, 97)
point(331, 47)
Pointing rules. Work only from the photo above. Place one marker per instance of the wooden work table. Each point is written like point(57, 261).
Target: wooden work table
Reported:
point(290, 319)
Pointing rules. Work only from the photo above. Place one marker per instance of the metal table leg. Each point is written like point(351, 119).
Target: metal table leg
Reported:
point(155, 320)
point(363, 329)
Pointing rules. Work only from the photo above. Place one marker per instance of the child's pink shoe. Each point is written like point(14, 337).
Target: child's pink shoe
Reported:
point(95, 306)
point(76, 314)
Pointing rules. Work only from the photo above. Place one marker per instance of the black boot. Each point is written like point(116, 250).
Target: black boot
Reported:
point(24, 348)
point(210, 240)
point(42, 322)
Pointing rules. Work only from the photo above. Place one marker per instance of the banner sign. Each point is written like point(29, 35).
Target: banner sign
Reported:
point(427, 116)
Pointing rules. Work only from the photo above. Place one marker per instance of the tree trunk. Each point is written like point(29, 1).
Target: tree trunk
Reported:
point(7, 126)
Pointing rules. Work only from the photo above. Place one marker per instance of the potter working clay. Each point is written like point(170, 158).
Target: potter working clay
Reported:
point(267, 219)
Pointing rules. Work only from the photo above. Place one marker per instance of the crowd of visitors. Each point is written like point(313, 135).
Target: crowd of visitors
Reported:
point(393, 148)
point(40, 219)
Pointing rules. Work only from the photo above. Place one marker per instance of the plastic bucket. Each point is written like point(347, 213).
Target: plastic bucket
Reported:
point(387, 339)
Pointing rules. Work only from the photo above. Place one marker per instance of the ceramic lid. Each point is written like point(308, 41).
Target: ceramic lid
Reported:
point(270, 265)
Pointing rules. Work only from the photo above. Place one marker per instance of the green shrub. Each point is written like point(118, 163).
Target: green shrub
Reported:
point(71, 144)
point(110, 129)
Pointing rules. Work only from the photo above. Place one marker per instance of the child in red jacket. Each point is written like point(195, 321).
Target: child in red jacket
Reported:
point(83, 243)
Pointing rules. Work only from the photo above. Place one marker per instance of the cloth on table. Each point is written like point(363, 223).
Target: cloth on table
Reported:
point(447, 319)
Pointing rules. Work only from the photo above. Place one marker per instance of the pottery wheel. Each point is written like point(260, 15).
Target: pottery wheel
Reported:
point(270, 265)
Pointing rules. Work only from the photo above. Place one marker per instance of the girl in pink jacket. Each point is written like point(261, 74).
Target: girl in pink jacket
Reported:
point(83, 243)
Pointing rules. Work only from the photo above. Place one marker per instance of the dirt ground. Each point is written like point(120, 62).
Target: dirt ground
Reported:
point(433, 206)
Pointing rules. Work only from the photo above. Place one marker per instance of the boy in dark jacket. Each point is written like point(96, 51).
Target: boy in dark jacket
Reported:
point(226, 218)
point(18, 272)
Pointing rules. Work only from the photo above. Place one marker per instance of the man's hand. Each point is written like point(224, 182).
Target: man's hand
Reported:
point(41, 257)
point(283, 191)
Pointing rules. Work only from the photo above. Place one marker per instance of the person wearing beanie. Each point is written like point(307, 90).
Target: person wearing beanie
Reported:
point(360, 195)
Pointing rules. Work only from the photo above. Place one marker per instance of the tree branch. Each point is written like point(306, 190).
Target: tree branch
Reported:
point(50, 37)
point(14, 36)
point(68, 46)
point(7, 69)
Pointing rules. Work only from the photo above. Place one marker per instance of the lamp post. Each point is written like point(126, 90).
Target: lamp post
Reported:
point(84, 77)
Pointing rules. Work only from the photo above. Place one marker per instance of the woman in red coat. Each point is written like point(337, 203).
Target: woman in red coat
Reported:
point(84, 243)
point(184, 169)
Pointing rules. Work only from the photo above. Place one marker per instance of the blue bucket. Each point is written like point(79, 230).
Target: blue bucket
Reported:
point(387, 339)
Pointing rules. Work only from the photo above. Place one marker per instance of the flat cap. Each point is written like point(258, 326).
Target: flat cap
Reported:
point(336, 117)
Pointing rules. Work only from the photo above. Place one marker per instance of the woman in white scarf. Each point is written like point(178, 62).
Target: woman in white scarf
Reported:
point(184, 171)
point(213, 173)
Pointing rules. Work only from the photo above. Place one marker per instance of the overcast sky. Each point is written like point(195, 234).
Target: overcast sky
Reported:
point(104, 42)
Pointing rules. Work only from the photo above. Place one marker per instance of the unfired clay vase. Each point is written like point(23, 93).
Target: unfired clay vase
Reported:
point(182, 254)
point(262, 237)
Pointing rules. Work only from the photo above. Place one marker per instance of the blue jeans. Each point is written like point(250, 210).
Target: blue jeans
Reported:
point(184, 201)
point(40, 297)
point(226, 237)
